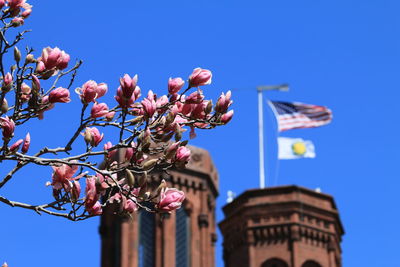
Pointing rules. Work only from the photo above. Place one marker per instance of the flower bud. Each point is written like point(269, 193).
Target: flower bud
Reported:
point(5, 263)
point(15, 147)
point(130, 178)
point(150, 164)
point(174, 85)
point(227, 117)
point(209, 106)
point(87, 136)
point(170, 199)
point(35, 84)
point(17, 54)
point(60, 95)
point(29, 59)
point(162, 185)
point(99, 110)
point(27, 143)
point(200, 77)
point(4, 106)
point(8, 127)
point(7, 82)
point(16, 22)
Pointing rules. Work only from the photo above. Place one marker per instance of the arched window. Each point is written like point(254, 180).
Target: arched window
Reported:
point(311, 263)
point(182, 238)
point(146, 239)
point(275, 262)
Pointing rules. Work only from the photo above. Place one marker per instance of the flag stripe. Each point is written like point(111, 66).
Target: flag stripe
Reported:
point(299, 115)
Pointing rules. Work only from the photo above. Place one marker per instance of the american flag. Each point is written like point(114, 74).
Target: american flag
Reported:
point(299, 115)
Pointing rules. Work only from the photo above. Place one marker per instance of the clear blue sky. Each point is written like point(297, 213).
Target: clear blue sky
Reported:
point(342, 54)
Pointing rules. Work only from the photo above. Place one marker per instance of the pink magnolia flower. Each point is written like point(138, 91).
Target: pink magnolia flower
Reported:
point(17, 21)
point(27, 143)
point(60, 95)
point(93, 136)
point(7, 81)
point(123, 101)
point(128, 85)
point(174, 85)
point(91, 192)
point(35, 83)
point(7, 126)
point(25, 92)
point(99, 110)
point(162, 101)
point(54, 58)
point(149, 107)
point(200, 77)
point(96, 209)
point(194, 98)
point(90, 91)
point(14, 4)
point(227, 117)
point(170, 199)
point(182, 154)
point(2, 3)
point(62, 177)
point(102, 89)
point(223, 103)
point(112, 153)
point(15, 147)
point(76, 190)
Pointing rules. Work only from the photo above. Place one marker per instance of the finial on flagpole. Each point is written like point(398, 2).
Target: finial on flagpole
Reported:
point(231, 196)
point(260, 89)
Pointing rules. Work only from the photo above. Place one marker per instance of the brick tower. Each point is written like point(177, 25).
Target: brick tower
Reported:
point(185, 238)
point(281, 227)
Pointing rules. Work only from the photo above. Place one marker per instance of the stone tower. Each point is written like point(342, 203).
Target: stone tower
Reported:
point(281, 227)
point(185, 238)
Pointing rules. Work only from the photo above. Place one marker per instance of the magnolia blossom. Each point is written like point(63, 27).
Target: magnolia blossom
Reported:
point(92, 204)
point(127, 205)
point(53, 58)
point(200, 77)
point(99, 110)
point(111, 153)
point(90, 91)
point(149, 107)
point(7, 82)
point(223, 103)
point(128, 91)
point(227, 117)
point(92, 136)
point(7, 126)
point(63, 177)
point(17, 21)
point(128, 85)
point(76, 190)
point(27, 143)
point(15, 147)
point(170, 199)
point(25, 92)
point(194, 98)
point(174, 85)
point(60, 95)
point(35, 83)
point(182, 154)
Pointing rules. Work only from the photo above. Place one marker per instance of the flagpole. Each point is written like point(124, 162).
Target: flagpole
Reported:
point(260, 89)
point(261, 137)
